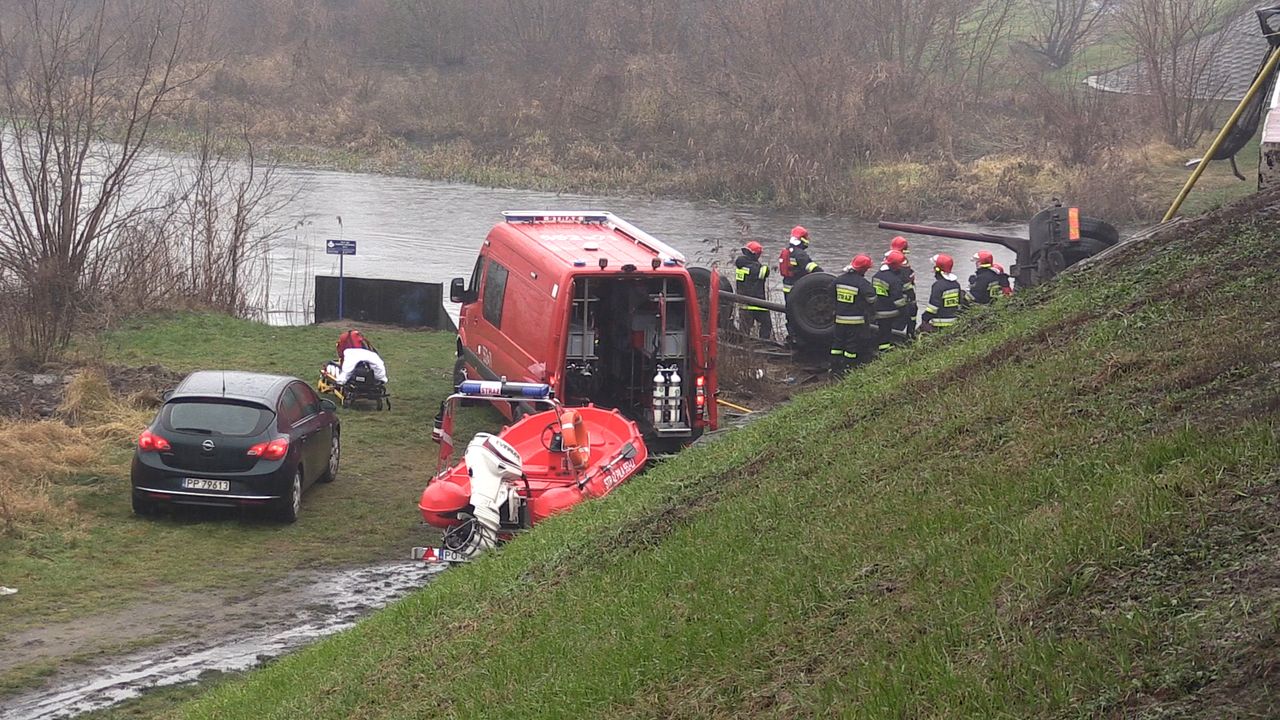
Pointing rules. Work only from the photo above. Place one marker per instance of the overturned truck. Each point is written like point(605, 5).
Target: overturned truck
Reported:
point(1059, 238)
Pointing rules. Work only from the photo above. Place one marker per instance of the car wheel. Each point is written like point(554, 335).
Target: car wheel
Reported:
point(291, 504)
point(335, 456)
point(143, 507)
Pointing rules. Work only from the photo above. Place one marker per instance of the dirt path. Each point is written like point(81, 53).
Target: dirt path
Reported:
point(219, 632)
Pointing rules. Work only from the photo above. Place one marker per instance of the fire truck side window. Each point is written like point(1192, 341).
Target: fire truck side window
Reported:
point(495, 287)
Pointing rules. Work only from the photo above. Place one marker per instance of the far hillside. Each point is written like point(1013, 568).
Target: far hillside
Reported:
point(959, 109)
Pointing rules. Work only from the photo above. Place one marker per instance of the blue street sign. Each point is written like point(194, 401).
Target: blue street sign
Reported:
point(340, 247)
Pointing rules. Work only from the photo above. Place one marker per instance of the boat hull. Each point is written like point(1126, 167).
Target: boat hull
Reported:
point(550, 484)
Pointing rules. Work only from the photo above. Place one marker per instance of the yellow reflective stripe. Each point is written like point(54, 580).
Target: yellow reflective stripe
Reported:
point(951, 298)
point(943, 322)
point(811, 267)
point(757, 309)
point(886, 314)
point(764, 271)
point(850, 320)
point(837, 352)
point(742, 274)
point(900, 302)
point(851, 356)
point(882, 287)
point(845, 294)
point(931, 308)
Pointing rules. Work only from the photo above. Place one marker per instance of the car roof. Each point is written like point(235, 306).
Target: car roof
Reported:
point(233, 385)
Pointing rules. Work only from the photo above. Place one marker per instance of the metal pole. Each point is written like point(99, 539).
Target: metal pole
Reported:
point(1258, 83)
point(341, 280)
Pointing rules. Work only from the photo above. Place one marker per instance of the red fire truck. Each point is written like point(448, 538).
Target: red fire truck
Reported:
point(598, 309)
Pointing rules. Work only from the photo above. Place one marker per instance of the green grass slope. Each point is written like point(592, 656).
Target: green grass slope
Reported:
point(1061, 509)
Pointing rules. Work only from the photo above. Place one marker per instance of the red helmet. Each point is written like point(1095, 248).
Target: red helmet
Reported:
point(861, 263)
point(998, 268)
point(753, 247)
point(899, 243)
point(984, 258)
point(895, 259)
point(943, 263)
point(799, 232)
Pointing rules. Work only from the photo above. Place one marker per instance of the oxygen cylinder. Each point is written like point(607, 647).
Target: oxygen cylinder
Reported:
point(673, 396)
point(659, 396)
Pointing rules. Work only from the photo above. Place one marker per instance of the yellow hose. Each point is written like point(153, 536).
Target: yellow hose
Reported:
point(1258, 82)
point(739, 408)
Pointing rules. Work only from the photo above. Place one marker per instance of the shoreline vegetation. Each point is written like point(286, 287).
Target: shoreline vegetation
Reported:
point(999, 188)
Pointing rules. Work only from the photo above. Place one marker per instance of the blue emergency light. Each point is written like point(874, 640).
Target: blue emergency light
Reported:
point(499, 388)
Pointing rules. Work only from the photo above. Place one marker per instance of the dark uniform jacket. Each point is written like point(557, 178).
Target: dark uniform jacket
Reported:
point(945, 301)
point(890, 298)
point(801, 265)
point(987, 285)
point(750, 277)
point(855, 299)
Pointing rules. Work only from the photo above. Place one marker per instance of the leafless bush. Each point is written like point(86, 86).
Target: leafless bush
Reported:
point(1080, 125)
point(81, 86)
point(1175, 43)
point(1062, 26)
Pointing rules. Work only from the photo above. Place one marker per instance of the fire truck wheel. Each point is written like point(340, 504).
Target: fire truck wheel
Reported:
point(812, 308)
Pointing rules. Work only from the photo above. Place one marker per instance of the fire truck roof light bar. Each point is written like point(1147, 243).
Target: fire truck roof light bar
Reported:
point(500, 389)
point(639, 236)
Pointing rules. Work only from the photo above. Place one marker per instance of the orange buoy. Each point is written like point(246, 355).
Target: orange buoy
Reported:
point(574, 438)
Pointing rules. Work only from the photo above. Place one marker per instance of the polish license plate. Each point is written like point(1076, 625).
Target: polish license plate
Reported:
point(439, 555)
point(203, 484)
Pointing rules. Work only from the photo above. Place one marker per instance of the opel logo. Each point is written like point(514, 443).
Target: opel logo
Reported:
point(207, 445)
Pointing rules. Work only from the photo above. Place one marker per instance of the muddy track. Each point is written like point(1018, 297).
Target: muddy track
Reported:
point(224, 634)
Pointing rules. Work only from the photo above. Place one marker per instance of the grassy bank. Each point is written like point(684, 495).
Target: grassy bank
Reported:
point(1056, 510)
point(90, 557)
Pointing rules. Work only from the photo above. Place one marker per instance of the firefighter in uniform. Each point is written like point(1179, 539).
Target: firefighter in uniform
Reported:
point(854, 342)
point(891, 301)
point(946, 299)
point(750, 275)
point(795, 263)
point(986, 285)
point(905, 327)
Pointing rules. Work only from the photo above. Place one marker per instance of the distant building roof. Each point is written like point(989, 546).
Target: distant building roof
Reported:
point(1235, 54)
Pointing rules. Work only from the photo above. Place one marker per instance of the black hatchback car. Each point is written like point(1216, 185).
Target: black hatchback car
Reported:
point(237, 439)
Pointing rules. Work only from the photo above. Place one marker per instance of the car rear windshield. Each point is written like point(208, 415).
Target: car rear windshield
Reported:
point(216, 418)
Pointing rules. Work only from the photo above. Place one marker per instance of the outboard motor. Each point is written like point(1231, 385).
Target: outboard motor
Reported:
point(492, 464)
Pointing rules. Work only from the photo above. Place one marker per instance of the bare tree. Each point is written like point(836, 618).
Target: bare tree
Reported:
point(81, 86)
point(227, 223)
point(1062, 26)
point(1176, 42)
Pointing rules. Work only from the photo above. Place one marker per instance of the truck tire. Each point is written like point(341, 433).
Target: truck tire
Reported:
point(1102, 231)
point(812, 307)
point(1095, 236)
point(702, 283)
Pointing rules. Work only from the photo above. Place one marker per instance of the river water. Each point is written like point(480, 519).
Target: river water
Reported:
point(410, 229)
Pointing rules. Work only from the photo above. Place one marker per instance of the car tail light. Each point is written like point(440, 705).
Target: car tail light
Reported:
point(150, 442)
point(273, 450)
point(701, 394)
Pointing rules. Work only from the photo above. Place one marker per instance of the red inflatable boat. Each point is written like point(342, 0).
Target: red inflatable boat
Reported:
point(545, 463)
